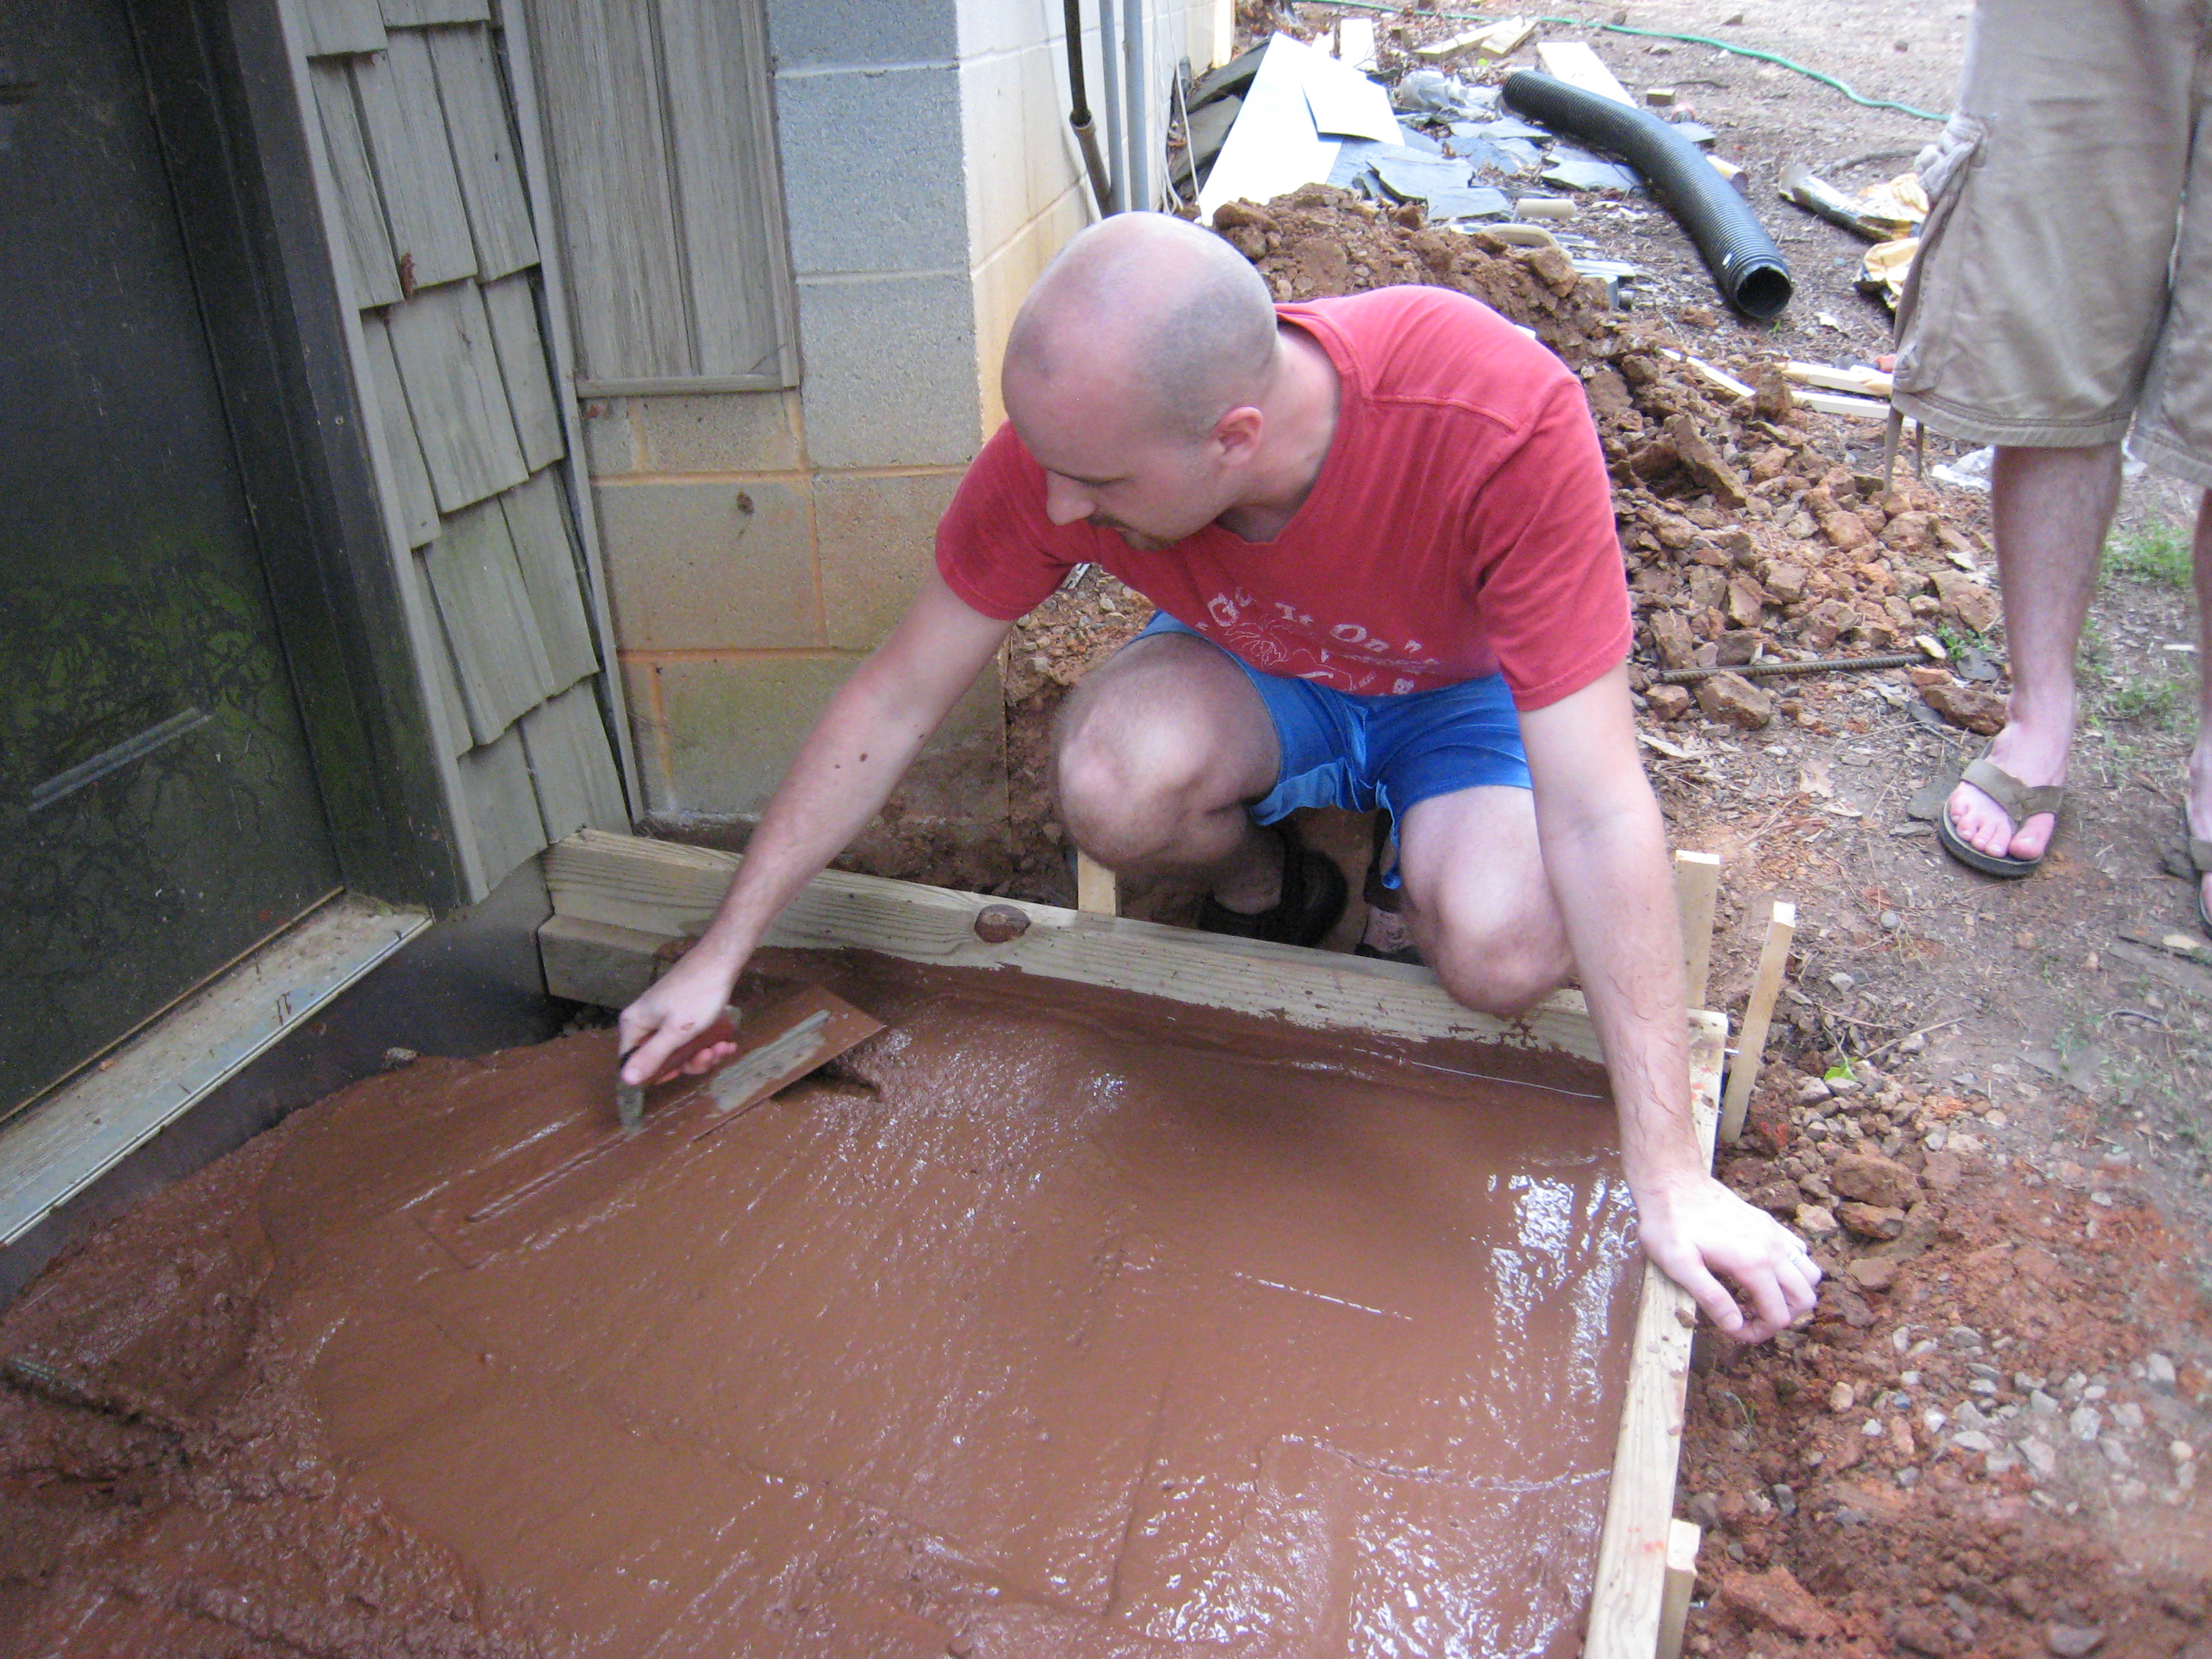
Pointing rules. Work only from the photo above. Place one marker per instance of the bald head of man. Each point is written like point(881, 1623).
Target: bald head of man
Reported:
point(1139, 372)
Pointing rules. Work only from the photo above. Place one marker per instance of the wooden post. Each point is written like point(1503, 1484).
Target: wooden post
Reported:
point(1757, 1011)
point(1683, 1538)
point(1697, 884)
point(1096, 889)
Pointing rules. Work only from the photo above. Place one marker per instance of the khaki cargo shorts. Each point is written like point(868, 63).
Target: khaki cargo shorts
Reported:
point(2064, 286)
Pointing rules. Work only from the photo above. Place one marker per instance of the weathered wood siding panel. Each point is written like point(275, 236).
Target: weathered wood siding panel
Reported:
point(567, 743)
point(413, 13)
point(666, 188)
point(374, 272)
point(510, 306)
point(442, 341)
point(599, 78)
point(340, 26)
point(483, 149)
point(537, 522)
point(418, 507)
point(414, 162)
point(498, 652)
point(742, 320)
point(502, 805)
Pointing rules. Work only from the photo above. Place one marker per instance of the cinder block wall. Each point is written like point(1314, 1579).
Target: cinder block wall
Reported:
point(758, 545)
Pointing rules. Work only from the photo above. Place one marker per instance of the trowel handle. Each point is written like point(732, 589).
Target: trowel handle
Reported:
point(722, 1029)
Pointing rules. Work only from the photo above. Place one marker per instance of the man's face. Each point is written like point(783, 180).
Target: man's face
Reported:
point(1151, 489)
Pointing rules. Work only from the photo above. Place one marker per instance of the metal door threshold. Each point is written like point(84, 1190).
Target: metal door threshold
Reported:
point(64, 1142)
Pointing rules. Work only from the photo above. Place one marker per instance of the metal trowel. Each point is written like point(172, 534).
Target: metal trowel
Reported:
point(776, 1045)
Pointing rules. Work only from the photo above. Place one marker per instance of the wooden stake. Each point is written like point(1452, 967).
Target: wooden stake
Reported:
point(1096, 889)
point(1683, 1538)
point(1697, 884)
point(1757, 1011)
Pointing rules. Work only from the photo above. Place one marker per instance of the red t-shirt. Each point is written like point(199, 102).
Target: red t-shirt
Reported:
point(1462, 524)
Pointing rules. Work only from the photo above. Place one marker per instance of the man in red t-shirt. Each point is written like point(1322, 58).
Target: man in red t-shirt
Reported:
point(1380, 534)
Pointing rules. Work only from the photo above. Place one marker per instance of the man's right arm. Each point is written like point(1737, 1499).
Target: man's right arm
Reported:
point(844, 772)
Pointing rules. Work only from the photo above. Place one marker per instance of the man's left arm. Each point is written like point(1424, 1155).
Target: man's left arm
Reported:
point(1605, 854)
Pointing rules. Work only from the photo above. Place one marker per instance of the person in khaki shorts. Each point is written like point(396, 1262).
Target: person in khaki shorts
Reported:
point(2063, 296)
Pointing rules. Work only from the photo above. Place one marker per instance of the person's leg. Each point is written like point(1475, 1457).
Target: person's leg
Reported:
point(1158, 750)
point(1477, 901)
point(2050, 509)
point(2200, 757)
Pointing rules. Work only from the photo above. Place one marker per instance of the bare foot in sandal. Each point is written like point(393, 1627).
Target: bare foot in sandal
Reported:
point(2034, 755)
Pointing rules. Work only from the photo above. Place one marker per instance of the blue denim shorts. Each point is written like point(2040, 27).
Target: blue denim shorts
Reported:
point(1340, 749)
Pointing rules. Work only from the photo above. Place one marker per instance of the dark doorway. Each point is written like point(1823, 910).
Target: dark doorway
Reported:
point(159, 812)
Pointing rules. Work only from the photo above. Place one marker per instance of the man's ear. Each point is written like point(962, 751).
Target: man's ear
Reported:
point(1238, 434)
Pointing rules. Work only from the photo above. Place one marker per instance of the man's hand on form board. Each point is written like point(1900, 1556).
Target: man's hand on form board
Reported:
point(681, 1003)
point(1699, 1233)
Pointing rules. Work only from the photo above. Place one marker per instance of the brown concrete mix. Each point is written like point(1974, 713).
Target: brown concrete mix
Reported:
point(1049, 1323)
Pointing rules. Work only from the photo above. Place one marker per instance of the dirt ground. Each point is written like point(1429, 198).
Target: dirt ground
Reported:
point(1987, 1440)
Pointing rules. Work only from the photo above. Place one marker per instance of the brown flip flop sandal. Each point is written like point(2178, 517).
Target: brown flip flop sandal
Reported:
point(2018, 801)
point(2200, 860)
point(1312, 898)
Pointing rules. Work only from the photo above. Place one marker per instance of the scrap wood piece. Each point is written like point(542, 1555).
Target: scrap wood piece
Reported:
point(1864, 381)
point(1575, 62)
point(1491, 41)
point(1696, 887)
point(1856, 408)
point(1758, 1014)
point(1096, 889)
point(1684, 1539)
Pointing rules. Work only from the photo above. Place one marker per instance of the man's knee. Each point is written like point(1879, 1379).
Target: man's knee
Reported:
point(1124, 784)
point(1492, 960)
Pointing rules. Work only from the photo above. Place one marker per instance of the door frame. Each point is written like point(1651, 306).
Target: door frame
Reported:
point(240, 171)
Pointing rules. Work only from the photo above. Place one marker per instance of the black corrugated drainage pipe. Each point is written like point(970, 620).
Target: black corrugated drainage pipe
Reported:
point(1750, 270)
point(1078, 116)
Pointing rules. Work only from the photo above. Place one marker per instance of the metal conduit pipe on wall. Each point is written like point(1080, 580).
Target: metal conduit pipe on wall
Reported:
point(1078, 112)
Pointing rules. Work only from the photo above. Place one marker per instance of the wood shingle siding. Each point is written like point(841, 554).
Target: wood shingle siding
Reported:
point(427, 208)
point(414, 160)
point(483, 149)
point(414, 13)
point(373, 270)
point(498, 653)
point(342, 25)
point(537, 525)
point(418, 507)
point(510, 306)
point(502, 803)
point(442, 342)
point(566, 742)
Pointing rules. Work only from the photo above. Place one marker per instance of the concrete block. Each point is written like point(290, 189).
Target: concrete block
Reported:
point(990, 27)
point(718, 432)
point(808, 35)
point(877, 538)
point(873, 169)
point(734, 725)
point(891, 371)
point(648, 732)
point(1004, 280)
point(610, 438)
point(1021, 152)
point(695, 567)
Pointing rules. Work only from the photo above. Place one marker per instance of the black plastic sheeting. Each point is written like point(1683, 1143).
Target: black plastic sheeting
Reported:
point(1747, 266)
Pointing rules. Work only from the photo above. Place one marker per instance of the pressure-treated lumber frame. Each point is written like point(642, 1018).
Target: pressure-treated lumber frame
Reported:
point(618, 901)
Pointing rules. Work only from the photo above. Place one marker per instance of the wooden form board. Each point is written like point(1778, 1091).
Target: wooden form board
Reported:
point(617, 899)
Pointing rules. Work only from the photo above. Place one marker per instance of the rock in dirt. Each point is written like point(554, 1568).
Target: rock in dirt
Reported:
point(1972, 603)
point(1873, 1179)
point(2074, 1640)
point(1968, 706)
point(1775, 1601)
point(1704, 463)
point(1668, 702)
point(1870, 1274)
point(1671, 637)
point(1871, 1220)
point(1815, 1222)
point(1735, 701)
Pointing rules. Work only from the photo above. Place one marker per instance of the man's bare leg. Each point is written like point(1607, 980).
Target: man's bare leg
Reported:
point(2200, 757)
point(2050, 508)
point(1158, 751)
point(1477, 901)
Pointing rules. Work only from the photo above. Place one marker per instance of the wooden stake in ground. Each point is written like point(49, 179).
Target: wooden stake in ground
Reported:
point(1683, 1538)
point(1757, 1011)
point(1096, 889)
point(1697, 884)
